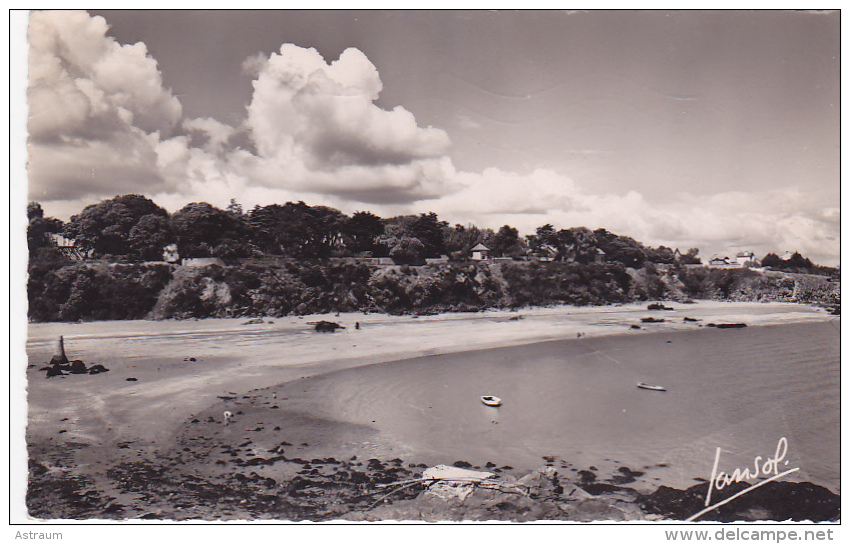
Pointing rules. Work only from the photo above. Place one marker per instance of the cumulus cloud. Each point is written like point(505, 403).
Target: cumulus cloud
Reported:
point(102, 123)
point(214, 134)
point(93, 105)
point(765, 221)
point(317, 122)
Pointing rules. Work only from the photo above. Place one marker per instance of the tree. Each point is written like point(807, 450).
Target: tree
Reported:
point(621, 249)
point(691, 257)
point(361, 231)
point(234, 208)
point(772, 260)
point(200, 227)
point(34, 211)
point(504, 242)
point(296, 229)
point(459, 240)
point(149, 237)
point(40, 228)
point(578, 242)
point(105, 227)
point(408, 251)
point(429, 230)
point(660, 255)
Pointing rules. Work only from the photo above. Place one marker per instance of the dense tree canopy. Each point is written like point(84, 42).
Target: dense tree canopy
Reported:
point(132, 227)
point(40, 228)
point(361, 231)
point(200, 228)
point(105, 227)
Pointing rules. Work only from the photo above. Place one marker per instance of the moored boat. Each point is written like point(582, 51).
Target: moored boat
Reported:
point(651, 387)
point(490, 400)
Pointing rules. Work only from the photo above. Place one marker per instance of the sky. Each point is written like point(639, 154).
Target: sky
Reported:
point(709, 129)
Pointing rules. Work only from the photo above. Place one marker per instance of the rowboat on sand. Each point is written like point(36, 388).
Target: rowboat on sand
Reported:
point(490, 400)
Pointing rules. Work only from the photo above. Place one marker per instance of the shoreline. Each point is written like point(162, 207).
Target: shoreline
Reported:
point(148, 421)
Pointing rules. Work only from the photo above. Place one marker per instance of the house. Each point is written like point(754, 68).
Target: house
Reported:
point(677, 254)
point(170, 254)
point(787, 255)
point(718, 261)
point(546, 253)
point(600, 256)
point(480, 253)
point(745, 258)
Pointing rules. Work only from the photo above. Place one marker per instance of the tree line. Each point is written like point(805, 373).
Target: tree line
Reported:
point(132, 228)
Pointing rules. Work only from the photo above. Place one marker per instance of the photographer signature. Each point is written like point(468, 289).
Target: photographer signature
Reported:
point(761, 468)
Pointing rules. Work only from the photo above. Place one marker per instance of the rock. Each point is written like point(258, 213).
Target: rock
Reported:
point(327, 326)
point(730, 325)
point(453, 482)
point(257, 321)
point(776, 501)
point(79, 367)
point(54, 371)
point(542, 483)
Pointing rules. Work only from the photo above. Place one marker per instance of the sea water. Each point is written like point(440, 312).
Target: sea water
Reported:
point(740, 390)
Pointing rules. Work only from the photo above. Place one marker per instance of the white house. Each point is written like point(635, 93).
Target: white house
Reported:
point(745, 257)
point(480, 253)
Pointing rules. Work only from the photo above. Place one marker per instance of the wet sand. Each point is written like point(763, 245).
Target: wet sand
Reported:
point(107, 421)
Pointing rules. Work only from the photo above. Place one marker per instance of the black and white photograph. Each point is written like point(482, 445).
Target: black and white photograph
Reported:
point(429, 266)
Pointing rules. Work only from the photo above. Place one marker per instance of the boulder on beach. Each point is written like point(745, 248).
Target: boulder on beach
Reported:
point(652, 320)
point(327, 326)
point(728, 325)
point(257, 321)
point(54, 371)
point(453, 482)
point(78, 367)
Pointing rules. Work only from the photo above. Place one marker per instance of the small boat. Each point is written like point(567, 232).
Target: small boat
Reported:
point(651, 387)
point(490, 400)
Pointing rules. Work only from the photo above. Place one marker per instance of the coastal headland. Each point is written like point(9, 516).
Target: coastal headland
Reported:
point(341, 425)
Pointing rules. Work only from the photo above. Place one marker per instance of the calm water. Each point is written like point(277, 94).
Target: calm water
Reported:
point(740, 390)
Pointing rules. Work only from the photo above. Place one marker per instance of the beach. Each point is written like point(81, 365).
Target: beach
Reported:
point(406, 389)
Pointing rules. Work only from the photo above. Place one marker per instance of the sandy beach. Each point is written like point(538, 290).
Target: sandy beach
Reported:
point(170, 382)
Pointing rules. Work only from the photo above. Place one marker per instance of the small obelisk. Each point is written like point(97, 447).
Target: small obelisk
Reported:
point(59, 357)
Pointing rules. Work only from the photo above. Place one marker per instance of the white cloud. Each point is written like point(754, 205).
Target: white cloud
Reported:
point(93, 104)
point(318, 125)
point(101, 124)
point(727, 222)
